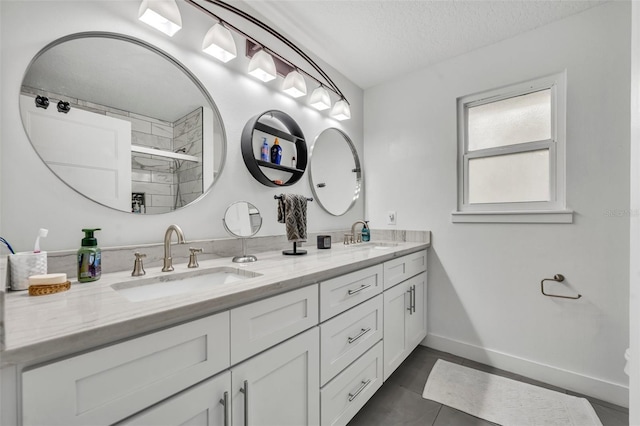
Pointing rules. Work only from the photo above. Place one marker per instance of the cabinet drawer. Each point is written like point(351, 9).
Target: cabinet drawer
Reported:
point(107, 385)
point(402, 268)
point(344, 292)
point(260, 325)
point(349, 335)
point(341, 399)
point(203, 404)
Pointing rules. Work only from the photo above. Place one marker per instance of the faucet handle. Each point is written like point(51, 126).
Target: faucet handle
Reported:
point(138, 267)
point(193, 259)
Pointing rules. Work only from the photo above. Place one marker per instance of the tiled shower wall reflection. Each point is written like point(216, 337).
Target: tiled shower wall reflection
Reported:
point(187, 135)
point(168, 183)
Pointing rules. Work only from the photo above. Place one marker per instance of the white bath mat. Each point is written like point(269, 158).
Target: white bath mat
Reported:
point(505, 401)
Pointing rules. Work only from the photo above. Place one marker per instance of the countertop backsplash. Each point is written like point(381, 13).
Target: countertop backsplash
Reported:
point(115, 259)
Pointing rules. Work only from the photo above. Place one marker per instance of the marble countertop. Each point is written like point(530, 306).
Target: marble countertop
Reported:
point(89, 315)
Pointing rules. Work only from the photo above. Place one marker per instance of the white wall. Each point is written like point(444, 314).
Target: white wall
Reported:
point(32, 197)
point(634, 255)
point(484, 279)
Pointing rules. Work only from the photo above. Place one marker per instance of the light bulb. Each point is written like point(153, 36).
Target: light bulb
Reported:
point(320, 99)
point(294, 85)
point(262, 66)
point(341, 110)
point(219, 43)
point(163, 15)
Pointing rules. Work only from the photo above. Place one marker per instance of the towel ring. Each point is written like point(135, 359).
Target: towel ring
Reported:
point(557, 278)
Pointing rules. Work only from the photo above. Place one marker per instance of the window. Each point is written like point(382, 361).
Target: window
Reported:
point(511, 154)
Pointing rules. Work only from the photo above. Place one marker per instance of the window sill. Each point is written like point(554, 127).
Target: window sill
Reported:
point(554, 216)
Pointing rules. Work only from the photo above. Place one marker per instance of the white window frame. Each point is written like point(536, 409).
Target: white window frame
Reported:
point(552, 211)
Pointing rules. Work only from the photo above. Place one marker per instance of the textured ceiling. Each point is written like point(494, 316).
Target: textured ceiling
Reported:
point(371, 41)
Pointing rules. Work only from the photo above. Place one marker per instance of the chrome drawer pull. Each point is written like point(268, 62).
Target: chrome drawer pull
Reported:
point(362, 333)
point(245, 391)
point(358, 290)
point(354, 395)
point(410, 308)
point(225, 403)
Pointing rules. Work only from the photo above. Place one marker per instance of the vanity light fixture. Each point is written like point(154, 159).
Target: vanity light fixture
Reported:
point(262, 66)
point(294, 84)
point(320, 99)
point(341, 110)
point(162, 15)
point(219, 43)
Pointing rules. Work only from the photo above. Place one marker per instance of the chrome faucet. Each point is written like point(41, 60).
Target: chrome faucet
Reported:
point(352, 237)
point(168, 264)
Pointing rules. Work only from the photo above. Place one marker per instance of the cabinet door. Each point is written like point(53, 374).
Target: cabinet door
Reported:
point(396, 316)
point(279, 387)
point(345, 337)
point(402, 268)
point(110, 384)
point(346, 291)
point(202, 405)
point(350, 390)
point(417, 320)
point(260, 325)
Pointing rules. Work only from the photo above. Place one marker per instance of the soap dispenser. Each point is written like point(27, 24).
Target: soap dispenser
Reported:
point(366, 232)
point(276, 152)
point(89, 258)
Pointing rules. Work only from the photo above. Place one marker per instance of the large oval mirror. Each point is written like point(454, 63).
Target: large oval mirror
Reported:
point(335, 174)
point(122, 122)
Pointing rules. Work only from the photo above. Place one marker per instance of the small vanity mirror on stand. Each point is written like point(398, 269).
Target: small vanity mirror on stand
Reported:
point(242, 220)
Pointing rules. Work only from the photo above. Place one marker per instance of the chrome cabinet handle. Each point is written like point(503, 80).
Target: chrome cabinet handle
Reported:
point(245, 391)
point(225, 403)
point(354, 395)
point(410, 308)
point(358, 290)
point(362, 333)
point(413, 299)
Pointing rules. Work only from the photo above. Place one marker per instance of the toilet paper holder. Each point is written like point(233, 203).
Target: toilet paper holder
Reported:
point(557, 278)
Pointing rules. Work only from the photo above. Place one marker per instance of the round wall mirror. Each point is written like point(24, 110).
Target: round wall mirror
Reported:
point(243, 220)
point(122, 122)
point(335, 174)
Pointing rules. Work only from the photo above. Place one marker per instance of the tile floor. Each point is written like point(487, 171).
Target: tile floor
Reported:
point(399, 401)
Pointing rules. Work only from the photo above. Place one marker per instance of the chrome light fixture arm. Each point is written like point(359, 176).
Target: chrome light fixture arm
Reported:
point(329, 83)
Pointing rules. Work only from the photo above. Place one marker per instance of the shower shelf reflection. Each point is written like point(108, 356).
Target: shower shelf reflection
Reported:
point(166, 154)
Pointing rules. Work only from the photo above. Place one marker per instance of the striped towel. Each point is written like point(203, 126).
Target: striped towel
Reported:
point(292, 211)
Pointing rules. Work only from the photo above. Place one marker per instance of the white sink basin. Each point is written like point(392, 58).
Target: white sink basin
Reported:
point(174, 283)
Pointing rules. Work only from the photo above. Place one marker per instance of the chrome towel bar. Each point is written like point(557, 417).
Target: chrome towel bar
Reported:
point(558, 278)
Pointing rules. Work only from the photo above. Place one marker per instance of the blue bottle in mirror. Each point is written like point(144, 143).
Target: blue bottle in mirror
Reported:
point(276, 152)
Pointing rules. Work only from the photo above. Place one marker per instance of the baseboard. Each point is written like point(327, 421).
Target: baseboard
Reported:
point(601, 389)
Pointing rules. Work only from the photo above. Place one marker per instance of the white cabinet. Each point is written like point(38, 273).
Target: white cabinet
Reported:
point(279, 387)
point(402, 268)
point(345, 337)
point(405, 320)
point(259, 364)
point(206, 404)
point(107, 385)
point(346, 291)
point(260, 325)
point(350, 390)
